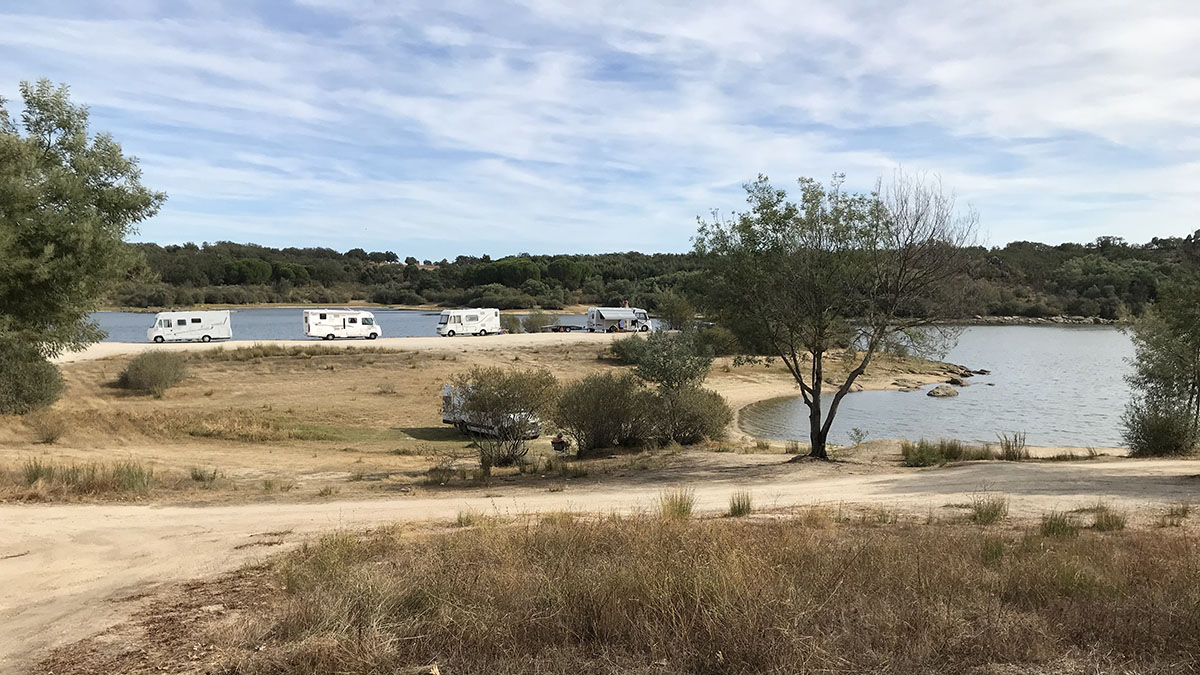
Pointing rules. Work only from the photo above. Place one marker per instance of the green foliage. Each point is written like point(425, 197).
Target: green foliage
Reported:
point(741, 504)
point(1159, 428)
point(511, 323)
point(671, 360)
point(28, 381)
point(676, 311)
point(988, 509)
point(1059, 525)
point(510, 403)
point(628, 350)
point(690, 414)
point(676, 504)
point(67, 202)
point(718, 341)
point(933, 453)
point(604, 410)
point(1012, 448)
point(798, 280)
point(153, 372)
point(536, 320)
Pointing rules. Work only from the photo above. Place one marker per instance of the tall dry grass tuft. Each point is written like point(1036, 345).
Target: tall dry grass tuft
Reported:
point(606, 595)
point(39, 479)
point(740, 504)
point(676, 504)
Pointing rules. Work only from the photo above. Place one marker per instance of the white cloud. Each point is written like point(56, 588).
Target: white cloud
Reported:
point(610, 125)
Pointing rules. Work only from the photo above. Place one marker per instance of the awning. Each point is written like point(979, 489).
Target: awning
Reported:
point(616, 313)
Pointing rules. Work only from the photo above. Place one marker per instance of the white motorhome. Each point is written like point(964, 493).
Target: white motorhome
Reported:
point(340, 323)
point(469, 322)
point(618, 320)
point(202, 326)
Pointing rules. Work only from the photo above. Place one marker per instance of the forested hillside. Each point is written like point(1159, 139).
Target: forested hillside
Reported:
point(1107, 278)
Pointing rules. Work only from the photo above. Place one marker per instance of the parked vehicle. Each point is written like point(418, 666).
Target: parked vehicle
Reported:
point(453, 414)
point(618, 320)
point(340, 323)
point(469, 322)
point(202, 326)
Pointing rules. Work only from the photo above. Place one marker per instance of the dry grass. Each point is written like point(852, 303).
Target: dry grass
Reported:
point(635, 595)
point(39, 480)
point(267, 350)
point(676, 504)
point(1175, 515)
point(988, 509)
point(741, 504)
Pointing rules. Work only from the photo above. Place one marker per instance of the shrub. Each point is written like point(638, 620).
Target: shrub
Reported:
point(536, 320)
point(1157, 429)
point(988, 509)
point(672, 360)
point(48, 427)
point(603, 410)
point(719, 341)
point(690, 415)
point(930, 453)
point(153, 372)
point(676, 504)
point(1012, 448)
point(28, 382)
point(740, 504)
point(1059, 525)
point(508, 403)
point(628, 350)
point(510, 323)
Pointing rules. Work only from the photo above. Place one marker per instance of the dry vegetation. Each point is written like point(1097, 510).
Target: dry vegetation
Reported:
point(367, 419)
point(818, 592)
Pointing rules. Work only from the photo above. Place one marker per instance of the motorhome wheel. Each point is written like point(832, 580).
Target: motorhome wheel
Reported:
point(482, 333)
point(329, 337)
point(644, 329)
point(611, 329)
point(158, 339)
point(206, 338)
point(449, 333)
point(372, 336)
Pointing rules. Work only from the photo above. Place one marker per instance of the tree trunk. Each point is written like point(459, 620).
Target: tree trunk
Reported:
point(816, 432)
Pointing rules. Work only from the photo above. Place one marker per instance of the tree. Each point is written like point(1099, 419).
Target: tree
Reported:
point(67, 202)
point(838, 274)
point(676, 311)
point(671, 360)
point(509, 404)
point(1164, 417)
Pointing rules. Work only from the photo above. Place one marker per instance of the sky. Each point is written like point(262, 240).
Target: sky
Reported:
point(436, 129)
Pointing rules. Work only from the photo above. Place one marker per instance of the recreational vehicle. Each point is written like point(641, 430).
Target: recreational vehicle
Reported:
point(469, 322)
point(523, 425)
point(340, 323)
point(617, 319)
point(202, 326)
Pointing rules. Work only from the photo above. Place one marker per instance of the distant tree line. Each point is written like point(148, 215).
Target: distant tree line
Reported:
point(1108, 278)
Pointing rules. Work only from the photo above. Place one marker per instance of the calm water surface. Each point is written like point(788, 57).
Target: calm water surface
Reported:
point(1062, 385)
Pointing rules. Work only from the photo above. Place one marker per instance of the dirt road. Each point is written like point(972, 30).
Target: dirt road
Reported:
point(69, 571)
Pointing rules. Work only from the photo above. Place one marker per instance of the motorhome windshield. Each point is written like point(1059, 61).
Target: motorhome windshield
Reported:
point(368, 321)
point(445, 318)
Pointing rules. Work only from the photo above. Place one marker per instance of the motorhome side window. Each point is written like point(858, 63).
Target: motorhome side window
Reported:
point(471, 318)
point(322, 317)
point(181, 322)
point(352, 320)
point(164, 323)
point(195, 320)
point(368, 321)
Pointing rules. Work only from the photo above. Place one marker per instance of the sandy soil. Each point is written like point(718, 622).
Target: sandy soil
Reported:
point(71, 570)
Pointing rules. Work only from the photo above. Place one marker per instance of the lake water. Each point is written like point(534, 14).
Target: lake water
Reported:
point(285, 323)
point(1062, 385)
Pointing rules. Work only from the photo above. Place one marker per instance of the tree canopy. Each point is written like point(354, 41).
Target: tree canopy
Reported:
point(68, 200)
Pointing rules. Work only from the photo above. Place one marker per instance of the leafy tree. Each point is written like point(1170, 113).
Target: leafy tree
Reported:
point(509, 404)
point(1164, 417)
point(67, 202)
point(676, 311)
point(837, 274)
point(604, 410)
point(671, 360)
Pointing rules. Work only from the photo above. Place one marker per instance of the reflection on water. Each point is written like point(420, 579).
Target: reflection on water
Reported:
point(1062, 385)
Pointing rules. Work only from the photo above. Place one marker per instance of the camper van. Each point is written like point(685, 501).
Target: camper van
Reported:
point(468, 322)
point(340, 323)
point(202, 326)
point(617, 320)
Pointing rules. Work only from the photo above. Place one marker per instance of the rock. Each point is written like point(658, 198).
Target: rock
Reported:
point(982, 372)
point(957, 381)
point(856, 387)
point(943, 391)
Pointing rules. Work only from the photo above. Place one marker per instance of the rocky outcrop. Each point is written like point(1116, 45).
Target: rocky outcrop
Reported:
point(943, 391)
point(957, 381)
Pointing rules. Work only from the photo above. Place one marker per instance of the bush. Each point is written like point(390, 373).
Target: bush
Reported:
point(536, 320)
point(672, 360)
point(508, 403)
point(1155, 429)
point(48, 427)
point(153, 372)
point(28, 382)
point(690, 415)
point(628, 350)
point(604, 410)
point(719, 341)
point(511, 323)
point(1012, 448)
